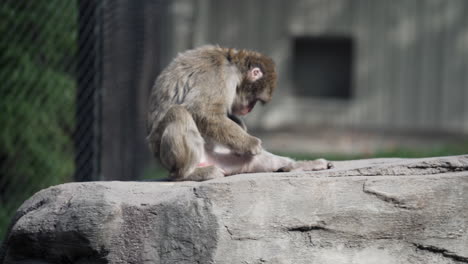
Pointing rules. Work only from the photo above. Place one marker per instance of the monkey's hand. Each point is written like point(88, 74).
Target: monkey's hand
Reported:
point(250, 146)
point(253, 146)
point(308, 165)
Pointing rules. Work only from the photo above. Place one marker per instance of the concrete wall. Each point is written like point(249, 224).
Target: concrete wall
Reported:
point(410, 68)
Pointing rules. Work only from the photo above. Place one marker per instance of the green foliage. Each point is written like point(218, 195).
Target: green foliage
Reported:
point(443, 150)
point(37, 51)
point(155, 172)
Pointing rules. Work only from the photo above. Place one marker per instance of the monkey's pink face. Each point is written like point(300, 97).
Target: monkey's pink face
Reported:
point(245, 103)
point(243, 108)
point(250, 91)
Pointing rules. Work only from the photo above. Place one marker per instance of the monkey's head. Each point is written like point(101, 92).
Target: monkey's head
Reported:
point(257, 84)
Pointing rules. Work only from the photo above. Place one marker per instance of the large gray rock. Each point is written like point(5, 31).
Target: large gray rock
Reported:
point(366, 211)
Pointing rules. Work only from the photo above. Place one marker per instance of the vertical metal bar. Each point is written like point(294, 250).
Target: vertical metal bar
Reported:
point(85, 136)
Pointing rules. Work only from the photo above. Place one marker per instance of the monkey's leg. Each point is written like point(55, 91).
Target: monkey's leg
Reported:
point(266, 162)
point(234, 164)
point(263, 162)
point(182, 148)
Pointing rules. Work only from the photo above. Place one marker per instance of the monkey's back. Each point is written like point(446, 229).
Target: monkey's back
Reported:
point(188, 80)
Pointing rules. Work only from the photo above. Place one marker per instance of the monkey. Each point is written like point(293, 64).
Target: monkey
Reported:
point(193, 122)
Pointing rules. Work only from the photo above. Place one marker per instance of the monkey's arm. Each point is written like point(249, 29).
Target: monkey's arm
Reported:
point(238, 121)
point(224, 131)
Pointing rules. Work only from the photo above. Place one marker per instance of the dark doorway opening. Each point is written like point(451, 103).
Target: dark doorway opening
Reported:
point(322, 66)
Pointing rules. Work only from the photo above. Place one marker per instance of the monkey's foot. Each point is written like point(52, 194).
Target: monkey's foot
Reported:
point(308, 165)
point(205, 173)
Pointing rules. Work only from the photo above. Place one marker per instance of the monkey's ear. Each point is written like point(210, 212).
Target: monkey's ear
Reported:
point(254, 74)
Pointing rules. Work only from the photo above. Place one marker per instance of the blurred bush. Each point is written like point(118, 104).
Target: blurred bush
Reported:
point(37, 56)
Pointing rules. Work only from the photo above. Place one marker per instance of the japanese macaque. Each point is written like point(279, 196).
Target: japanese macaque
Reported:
point(193, 120)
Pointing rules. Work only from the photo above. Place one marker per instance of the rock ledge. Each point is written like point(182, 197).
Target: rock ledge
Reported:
point(363, 211)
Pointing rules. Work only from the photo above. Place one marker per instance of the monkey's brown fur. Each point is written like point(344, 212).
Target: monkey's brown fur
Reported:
point(206, 82)
point(194, 106)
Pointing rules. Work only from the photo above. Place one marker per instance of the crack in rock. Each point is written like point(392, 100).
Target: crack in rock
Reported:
point(229, 231)
point(395, 201)
point(319, 225)
point(444, 252)
point(232, 236)
point(307, 228)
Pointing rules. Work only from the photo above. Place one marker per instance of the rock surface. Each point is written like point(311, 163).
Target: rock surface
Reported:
point(364, 211)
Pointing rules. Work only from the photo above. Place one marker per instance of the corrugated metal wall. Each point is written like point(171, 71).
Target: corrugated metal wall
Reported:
point(410, 59)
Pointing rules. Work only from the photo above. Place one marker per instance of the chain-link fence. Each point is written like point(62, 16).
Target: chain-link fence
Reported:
point(71, 72)
point(45, 74)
